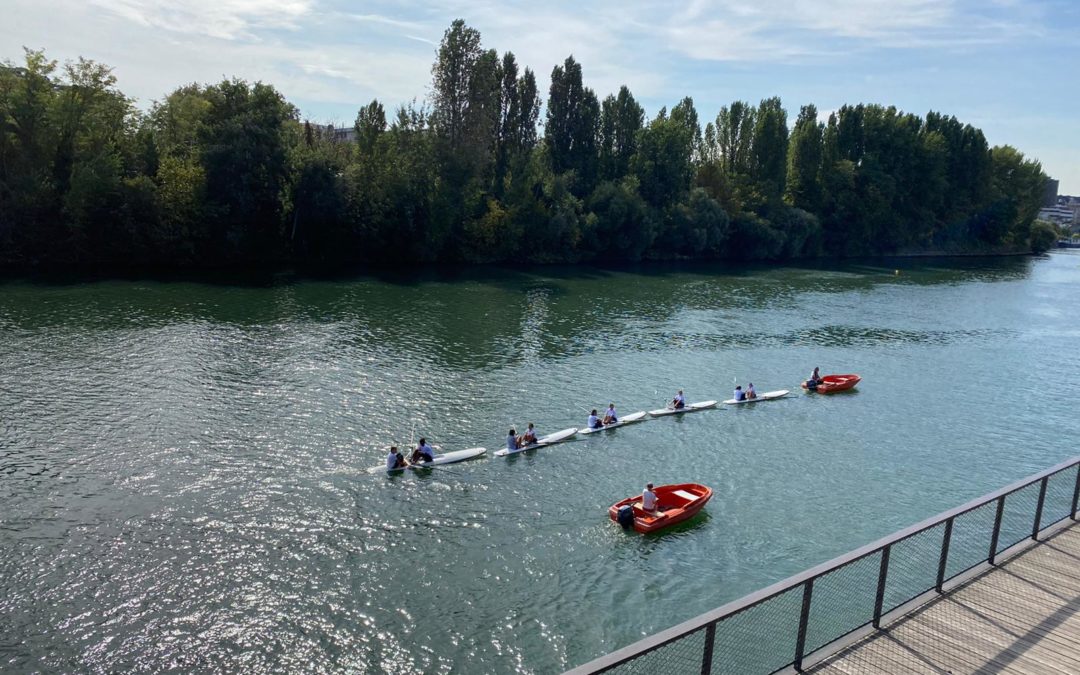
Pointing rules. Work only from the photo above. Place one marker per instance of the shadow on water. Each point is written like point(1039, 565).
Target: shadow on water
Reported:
point(651, 541)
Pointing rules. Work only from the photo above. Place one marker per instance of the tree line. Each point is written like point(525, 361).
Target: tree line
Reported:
point(227, 173)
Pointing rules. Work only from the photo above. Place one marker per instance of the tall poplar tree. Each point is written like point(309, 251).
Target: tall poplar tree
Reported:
point(573, 119)
point(620, 120)
point(804, 161)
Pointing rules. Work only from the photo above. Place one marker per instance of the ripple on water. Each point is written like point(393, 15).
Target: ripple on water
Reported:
point(183, 466)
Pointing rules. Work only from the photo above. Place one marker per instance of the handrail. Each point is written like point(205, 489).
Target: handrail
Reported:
point(709, 619)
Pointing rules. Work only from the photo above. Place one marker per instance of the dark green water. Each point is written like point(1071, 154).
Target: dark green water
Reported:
point(182, 479)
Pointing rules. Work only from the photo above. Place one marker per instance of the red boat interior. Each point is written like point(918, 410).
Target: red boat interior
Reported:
point(666, 500)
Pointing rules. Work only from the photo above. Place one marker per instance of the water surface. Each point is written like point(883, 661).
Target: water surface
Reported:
point(182, 464)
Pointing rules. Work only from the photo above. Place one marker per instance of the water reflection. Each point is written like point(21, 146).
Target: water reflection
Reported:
point(461, 317)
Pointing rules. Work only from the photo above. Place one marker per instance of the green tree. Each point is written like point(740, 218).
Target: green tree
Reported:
point(621, 118)
point(770, 146)
point(1019, 184)
point(1044, 236)
point(663, 161)
point(620, 226)
point(370, 124)
point(573, 120)
point(243, 151)
point(804, 161)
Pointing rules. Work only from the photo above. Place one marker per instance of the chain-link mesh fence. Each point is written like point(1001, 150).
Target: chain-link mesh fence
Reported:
point(843, 600)
point(913, 567)
point(1059, 494)
point(971, 535)
point(1018, 516)
point(762, 638)
point(681, 657)
point(759, 639)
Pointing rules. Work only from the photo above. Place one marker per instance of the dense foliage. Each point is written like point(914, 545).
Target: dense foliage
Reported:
point(226, 174)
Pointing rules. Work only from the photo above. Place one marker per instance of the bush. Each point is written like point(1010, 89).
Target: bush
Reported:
point(1044, 236)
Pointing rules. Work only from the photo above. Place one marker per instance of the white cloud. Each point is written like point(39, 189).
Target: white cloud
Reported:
point(225, 19)
point(326, 55)
point(386, 20)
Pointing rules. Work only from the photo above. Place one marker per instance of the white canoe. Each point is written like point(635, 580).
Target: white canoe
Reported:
point(693, 407)
point(447, 458)
point(767, 396)
point(625, 419)
point(541, 442)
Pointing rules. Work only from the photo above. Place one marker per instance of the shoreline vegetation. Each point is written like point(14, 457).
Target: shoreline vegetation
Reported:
point(228, 175)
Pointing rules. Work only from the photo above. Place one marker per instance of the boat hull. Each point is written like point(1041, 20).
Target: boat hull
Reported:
point(675, 504)
point(692, 407)
point(447, 458)
point(628, 419)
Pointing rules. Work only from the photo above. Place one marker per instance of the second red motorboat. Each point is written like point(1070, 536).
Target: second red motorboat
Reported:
point(832, 383)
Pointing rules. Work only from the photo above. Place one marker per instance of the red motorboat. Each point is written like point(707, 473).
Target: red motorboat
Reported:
point(674, 504)
point(833, 383)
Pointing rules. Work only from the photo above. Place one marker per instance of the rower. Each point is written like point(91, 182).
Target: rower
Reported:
point(423, 452)
point(815, 379)
point(529, 437)
point(649, 502)
point(678, 403)
point(512, 441)
point(395, 460)
point(609, 415)
point(594, 421)
point(750, 393)
point(740, 395)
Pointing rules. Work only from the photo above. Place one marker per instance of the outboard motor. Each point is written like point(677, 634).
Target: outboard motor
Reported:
point(626, 516)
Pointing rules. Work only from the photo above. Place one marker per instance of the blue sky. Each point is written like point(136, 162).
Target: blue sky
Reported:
point(1006, 66)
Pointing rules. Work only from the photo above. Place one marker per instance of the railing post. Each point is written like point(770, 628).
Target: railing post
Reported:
point(883, 574)
point(997, 528)
point(1076, 492)
point(1039, 508)
point(946, 539)
point(804, 619)
point(706, 658)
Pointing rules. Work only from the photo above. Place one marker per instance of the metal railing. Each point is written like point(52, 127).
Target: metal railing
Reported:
point(801, 619)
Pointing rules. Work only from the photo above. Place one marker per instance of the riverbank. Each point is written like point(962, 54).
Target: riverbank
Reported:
point(275, 273)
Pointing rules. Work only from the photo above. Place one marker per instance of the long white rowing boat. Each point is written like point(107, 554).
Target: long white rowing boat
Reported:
point(543, 441)
point(693, 407)
point(447, 458)
point(625, 419)
point(767, 396)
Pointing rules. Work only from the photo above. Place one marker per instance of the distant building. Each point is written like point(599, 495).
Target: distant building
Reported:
point(1051, 196)
point(1060, 214)
point(348, 135)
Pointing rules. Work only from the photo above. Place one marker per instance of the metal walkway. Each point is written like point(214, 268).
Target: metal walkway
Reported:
point(1022, 616)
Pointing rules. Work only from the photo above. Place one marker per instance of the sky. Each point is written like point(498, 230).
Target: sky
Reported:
point(1005, 66)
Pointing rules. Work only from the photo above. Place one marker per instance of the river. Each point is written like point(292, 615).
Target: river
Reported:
point(182, 462)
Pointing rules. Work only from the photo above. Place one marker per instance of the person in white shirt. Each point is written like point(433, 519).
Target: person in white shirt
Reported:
point(529, 437)
point(423, 452)
point(678, 403)
point(649, 502)
point(594, 421)
point(609, 415)
point(394, 460)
